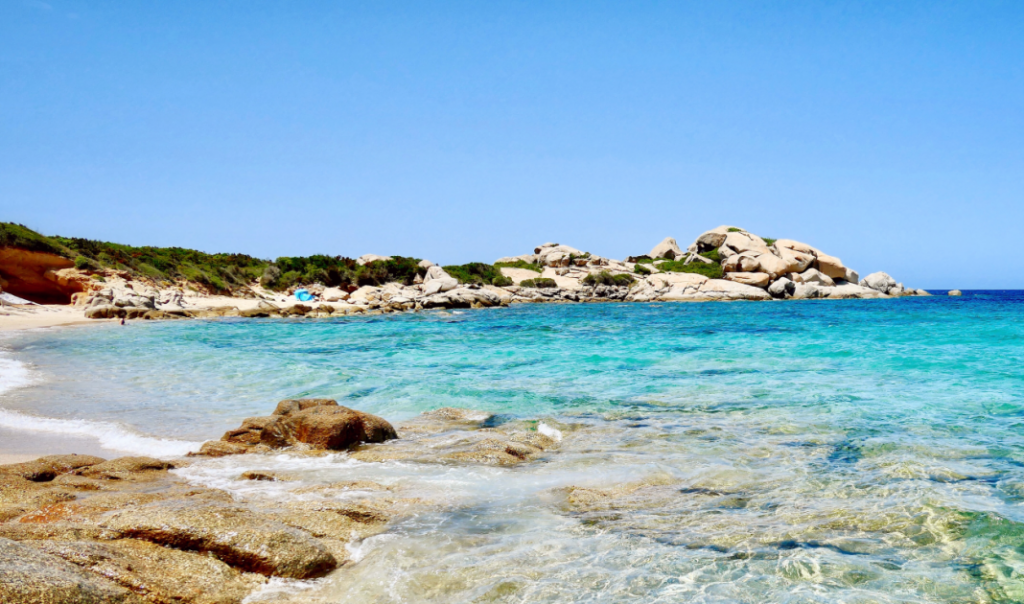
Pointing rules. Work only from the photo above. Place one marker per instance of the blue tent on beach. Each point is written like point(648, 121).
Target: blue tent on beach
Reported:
point(303, 295)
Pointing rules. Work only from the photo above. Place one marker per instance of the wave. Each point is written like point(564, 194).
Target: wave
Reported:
point(109, 435)
point(14, 374)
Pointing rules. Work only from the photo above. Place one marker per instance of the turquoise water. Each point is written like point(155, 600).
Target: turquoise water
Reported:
point(817, 451)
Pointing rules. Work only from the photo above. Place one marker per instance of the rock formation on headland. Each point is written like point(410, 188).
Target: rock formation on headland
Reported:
point(726, 263)
point(76, 529)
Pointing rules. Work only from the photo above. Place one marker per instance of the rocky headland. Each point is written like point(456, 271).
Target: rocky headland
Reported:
point(723, 264)
point(78, 529)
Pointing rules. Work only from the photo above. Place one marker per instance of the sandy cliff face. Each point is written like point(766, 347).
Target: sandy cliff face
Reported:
point(33, 276)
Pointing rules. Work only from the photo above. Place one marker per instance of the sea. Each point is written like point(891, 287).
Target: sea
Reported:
point(832, 451)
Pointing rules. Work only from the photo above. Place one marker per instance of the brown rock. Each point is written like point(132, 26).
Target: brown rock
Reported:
point(29, 576)
point(220, 448)
point(290, 406)
point(160, 574)
point(236, 536)
point(327, 427)
point(250, 432)
point(127, 468)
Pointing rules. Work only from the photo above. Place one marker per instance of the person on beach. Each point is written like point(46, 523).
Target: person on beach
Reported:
point(122, 320)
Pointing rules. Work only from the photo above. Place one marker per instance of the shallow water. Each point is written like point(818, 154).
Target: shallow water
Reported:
point(819, 451)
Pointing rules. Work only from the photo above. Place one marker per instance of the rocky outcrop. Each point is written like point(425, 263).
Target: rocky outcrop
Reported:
point(33, 276)
point(955, 292)
point(668, 248)
point(307, 423)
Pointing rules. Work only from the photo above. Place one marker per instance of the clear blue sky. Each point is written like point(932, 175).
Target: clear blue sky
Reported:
point(890, 134)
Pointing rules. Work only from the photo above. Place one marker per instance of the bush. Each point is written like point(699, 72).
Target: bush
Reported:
point(769, 241)
point(84, 264)
point(735, 230)
point(645, 260)
point(520, 264)
point(713, 255)
point(641, 270)
point(606, 278)
point(539, 282)
point(270, 276)
point(502, 281)
point(711, 271)
point(474, 272)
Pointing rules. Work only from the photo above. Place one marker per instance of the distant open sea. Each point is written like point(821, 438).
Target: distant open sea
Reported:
point(831, 451)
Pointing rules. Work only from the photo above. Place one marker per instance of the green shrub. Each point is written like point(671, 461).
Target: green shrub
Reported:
point(85, 264)
point(641, 270)
point(711, 271)
point(270, 276)
point(99, 278)
point(606, 278)
point(20, 236)
point(713, 255)
point(502, 281)
point(539, 282)
point(645, 260)
point(520, 264)
point(474, 272)
point(735, 230)
point(769, 241)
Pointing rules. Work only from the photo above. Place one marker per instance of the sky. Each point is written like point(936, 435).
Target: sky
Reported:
point(886, 133)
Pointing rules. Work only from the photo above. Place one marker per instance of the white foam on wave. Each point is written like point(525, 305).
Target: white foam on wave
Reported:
point(546, 430)
point(13, 374)
point(109, 435)
point(277, 588)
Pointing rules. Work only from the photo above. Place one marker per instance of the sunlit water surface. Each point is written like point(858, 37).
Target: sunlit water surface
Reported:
point(826, 451)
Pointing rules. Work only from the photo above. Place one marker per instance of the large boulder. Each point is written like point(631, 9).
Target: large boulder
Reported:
point(955, 292)
point(796, 261)
point(812, 276)
point(773, 265)
point(745, 262)
point(709, 240)
point(782, 288)
point(236, 536)
point(742, 241)
point(880, 282)
point(668, 248)
point(754, 279)
point(317, 423)
point(831, 266)
point(721, 289)
point(29, 576)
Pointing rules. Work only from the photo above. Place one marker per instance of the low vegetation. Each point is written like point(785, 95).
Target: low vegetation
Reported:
point(539, 282)
point(641, 270)
point(606, 278)
point(474, 272)
point(520, 264)
point(20, 236)
point(711, 271)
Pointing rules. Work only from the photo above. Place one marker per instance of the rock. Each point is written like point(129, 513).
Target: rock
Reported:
point(773, 265)
point(712, 239)
point(368, 258)
point(850, 276)
point(809, 290)
point(29, 576)
point(334, 294)
point(831, 266)
point(292, 406)
point(668, 248)
point(880, 282)
point(327, 427)
point(47, 468)
point(296, 310)
point(850, 290)
point(220, 448)
point(796, 262)
point(105, 312)
point(250, 432)
point(754, 279)
point(437, 286)
point(955, 292)
point(796, 246)
point(721, 289)
point(745, 262)
point(158, 573)
point(126, 468)
point(236, 536)
point(812, 276)
point(782, 288)
point(742, 241)
point(425, 264)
